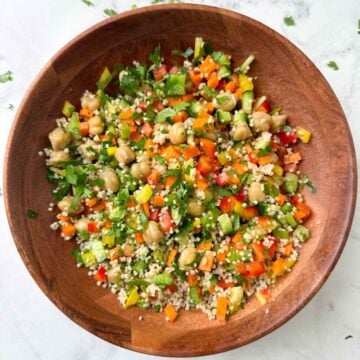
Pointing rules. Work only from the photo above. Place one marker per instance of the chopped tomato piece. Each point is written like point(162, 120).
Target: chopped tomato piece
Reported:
point(287, 137)
point(160, 72)
point(256, 268)
point(100, 274)
point(226, 204)
point(92, 227)
point(166, 222)
point(222, 179)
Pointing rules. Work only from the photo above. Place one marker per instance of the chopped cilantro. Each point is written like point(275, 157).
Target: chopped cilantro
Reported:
point(289, 21)
point(332, 65)
point(154, 56)
point(7, 76)
point(186, 54)
point(87, 2)
point(78, 257)
point(305, 181)
point(165, 114)
point(110, 12)
point(32, 214)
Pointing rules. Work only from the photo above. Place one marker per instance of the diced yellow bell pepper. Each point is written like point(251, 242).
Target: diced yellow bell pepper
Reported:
point(303, 134)
point(246, 84)
point(278, 170)
point(238, 208)
point(197, 223)
point(111, 150)
point(261, 298)
point(188, 179)
point(278, 267)
point(108, 240)
point(133, 298)
point(289, 263)
point(222, 158)
point(144, 194)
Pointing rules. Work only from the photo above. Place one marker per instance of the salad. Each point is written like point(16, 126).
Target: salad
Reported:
point(179, 185)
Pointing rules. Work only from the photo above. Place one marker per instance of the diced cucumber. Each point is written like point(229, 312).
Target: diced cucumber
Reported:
point(97, 248)
point(240, 116)
point(291, 183)
point(158, 255)
point(68, 109)
point(290, 220)
point(176, 216)
point(287, 208)
point(223, 117)
point(162, 279)
point(245, 66)
point(263, 141)
point(247, 100)
point(225, 224)
point(123, 104)
point(223, 72)
point(139, 266)
point(199, 48)
point(195, 108)
point(302, 233)
point(281, 233)
point(194, 295)
point(271, 190)
point(175, 84)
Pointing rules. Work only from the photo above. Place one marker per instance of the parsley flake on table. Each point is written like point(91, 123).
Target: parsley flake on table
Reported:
point(32, 214)
point(11, 107)
point(359, 26)
point(110, 12)
point(289, 21)
point(348, 337)
point(7, 76)
point(133, 6)
point(87, 2)
point(332, 65)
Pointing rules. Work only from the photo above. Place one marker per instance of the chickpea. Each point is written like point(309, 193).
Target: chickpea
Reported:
point(140, 170)
point(211, 135)
point(261, 121)
point(59, 155)
point(187, 257)
point(195, 208)
point(111, 180)
point(96, 125)
point(153, 235)
point(225, 101)
point(90, 102)
point(177, 133)
point(124, 155)
point(113, 274)
point(82, 224)
point(59, 138)
point(256, 193)
point(277, 121)
point(89, 149)
point(65, 206)
point(241, 131)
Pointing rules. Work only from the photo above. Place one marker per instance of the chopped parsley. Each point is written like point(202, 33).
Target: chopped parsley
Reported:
point(332, 65)
point(87, 2)
point(289, 21)
point(154, 56)
point(110, 12)
point(305, 181)
point(359, 26)
point(7, 76)
point(186, 54)
point(348, 337)
point(133, 6)
point(11, 107)
point(32, 214)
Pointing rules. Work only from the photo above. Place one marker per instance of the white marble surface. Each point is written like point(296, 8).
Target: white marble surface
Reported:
point(31, 327)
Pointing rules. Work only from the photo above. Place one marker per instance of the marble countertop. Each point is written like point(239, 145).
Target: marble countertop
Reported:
point(31, 327)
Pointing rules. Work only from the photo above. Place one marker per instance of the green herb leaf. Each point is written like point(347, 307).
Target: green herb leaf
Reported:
point(110, 12)
point(220, 58)
point(11, 107)
point(359, 26)
point(305, 181)
point(348, 337)
point(87, 2)
point(74, 125)
point(332, 65)
point(208, 48)
point(155, 57)
point(165, 114)
point(180, 107)
point(186, 54)
point(32, 214)
point(7, 76)
point(289, 21)
point(75, 252)
point(133, 6)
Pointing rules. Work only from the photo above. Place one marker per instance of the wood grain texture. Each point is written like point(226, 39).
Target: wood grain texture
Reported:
point(284, 73)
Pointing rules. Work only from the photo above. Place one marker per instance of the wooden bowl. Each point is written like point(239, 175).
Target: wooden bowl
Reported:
point(284, 73)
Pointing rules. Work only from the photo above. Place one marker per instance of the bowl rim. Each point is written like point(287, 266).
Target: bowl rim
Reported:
point(345, 227)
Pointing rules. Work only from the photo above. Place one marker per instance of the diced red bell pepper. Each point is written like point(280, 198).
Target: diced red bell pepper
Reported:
point(240, 196)
point(204, 165)
point(147, 129)
point(172, 288)
point(225, 285)
point(155, 215)
point(265, 107)
point(226, 204)
point(100, 274)
point(143, 106)
point(286, 137)
point(174, 70)
point(166, 222)
point(222, 179)
point(221, 85)
point(241, 269)
point(160, 72)
point(256, 268)
point(296, 199)
point(92, 227)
